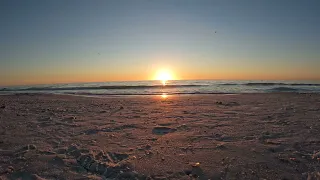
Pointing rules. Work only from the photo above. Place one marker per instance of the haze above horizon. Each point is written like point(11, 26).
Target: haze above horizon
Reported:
point(45, 42)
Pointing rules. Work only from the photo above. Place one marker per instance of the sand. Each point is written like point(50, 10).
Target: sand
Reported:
point(245, 136)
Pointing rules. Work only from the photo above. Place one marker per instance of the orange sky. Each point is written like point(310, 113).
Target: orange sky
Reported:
point(179, 73)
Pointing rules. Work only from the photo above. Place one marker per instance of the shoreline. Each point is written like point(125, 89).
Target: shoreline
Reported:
point(149, 95)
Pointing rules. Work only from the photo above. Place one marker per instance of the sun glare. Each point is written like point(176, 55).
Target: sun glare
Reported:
point(164, 76)
point(164, 96)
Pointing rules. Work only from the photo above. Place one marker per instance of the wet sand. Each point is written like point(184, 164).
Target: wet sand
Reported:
point(245, 136)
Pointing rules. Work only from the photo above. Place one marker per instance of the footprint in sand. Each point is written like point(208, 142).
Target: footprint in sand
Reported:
point(161, 130)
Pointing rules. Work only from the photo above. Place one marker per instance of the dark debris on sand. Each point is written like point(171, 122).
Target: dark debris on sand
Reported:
point(108, 165)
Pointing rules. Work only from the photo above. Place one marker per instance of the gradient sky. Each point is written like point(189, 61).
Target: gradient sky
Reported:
point(114, 40)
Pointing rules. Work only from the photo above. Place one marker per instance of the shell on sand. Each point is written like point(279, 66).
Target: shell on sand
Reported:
point(316, 155)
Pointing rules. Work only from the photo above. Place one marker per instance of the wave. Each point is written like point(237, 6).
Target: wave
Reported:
point(265, 84)
point(280, 84)
point(102, 87)
point(142, 94)
point(284, 89)
point(230, 84)
point(269, 84)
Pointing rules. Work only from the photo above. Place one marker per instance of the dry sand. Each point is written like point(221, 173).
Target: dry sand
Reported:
point(246, 136)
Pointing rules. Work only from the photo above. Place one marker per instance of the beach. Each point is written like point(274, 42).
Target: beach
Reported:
point(217, 136)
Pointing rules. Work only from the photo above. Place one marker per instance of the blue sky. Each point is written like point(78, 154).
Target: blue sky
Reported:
point(76, 41)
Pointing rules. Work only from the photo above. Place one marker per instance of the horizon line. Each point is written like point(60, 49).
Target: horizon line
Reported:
point(87, 82)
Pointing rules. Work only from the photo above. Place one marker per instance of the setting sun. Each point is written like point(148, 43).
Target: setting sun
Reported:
point(164, 76)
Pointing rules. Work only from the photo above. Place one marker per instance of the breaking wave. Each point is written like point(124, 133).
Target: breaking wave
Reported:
point(270, 84)
point(285, 89)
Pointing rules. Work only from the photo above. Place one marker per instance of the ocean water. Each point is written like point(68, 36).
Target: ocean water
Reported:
point(171, 87)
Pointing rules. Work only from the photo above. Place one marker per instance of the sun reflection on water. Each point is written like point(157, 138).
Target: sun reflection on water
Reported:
point(164, 96)
point(164, 82)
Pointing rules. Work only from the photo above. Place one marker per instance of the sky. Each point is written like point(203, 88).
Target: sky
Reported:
point(44, 42)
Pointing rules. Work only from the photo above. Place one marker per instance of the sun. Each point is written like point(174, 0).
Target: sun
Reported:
point(164, 76)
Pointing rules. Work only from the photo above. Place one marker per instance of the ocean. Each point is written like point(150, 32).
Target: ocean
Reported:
point(171, 87)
